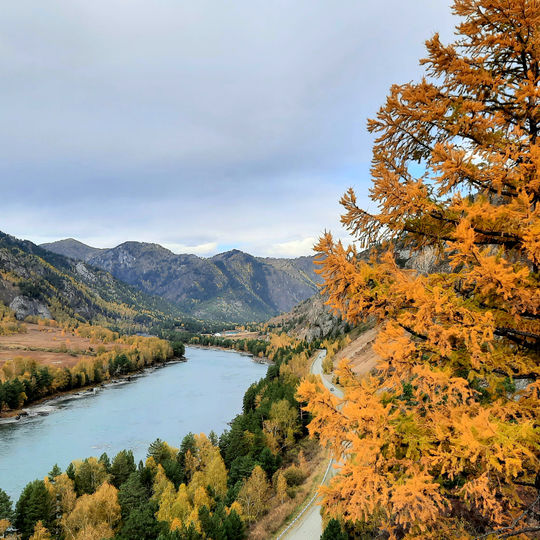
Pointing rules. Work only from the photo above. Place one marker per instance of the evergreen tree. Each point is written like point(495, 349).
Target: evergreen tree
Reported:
point(34, 505)
point(105, 461)
point(122, 466)
point(233, 527)
point(6, 508)
point(141, 523)
point(132, 494)
point(54, 472)
point(333, 531)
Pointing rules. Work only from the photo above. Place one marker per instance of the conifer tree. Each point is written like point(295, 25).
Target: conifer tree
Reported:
point(6, 508)
point(333, 531)
point(443, 440)
point(34, 505)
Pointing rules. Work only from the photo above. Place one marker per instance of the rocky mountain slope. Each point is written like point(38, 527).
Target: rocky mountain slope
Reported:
point(309, 320)
point(232, 286)
point(313, 319)
point(34, 281)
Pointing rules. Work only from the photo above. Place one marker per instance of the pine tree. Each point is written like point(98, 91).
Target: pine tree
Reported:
point(333, 531)
point(122, 466)
point(34, 505)
point(6, 508)
point(54, 472)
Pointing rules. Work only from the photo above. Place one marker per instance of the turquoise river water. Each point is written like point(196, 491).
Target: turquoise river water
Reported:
point(199, 395)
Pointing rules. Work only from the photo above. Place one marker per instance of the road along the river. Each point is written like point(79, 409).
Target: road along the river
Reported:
point(307, 525)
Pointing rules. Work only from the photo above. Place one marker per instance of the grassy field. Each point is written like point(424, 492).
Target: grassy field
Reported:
point(50, 346)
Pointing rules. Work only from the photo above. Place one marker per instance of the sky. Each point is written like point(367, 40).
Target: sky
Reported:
point(203, 125)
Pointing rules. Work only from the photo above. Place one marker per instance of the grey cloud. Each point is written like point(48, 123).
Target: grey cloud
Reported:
point(230, 116)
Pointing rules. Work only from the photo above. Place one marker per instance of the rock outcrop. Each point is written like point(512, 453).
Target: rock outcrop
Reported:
point(24, 306)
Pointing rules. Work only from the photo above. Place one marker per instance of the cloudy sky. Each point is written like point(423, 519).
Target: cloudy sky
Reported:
point(200, 125)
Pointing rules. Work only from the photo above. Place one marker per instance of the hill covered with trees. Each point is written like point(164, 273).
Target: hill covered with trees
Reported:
point(37, 282)
point(232, 286)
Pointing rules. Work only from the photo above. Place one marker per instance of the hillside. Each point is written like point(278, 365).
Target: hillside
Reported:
point(37, 282)
point(231, 286)
point(309, 320)
point(69, 247)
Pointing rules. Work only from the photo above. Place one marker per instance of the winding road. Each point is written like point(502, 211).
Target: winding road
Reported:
point(307, 525)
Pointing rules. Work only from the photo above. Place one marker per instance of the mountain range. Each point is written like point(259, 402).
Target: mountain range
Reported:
point(232, 286)
point(37, 282)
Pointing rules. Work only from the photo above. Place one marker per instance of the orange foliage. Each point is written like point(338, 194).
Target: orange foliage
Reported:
point(443, 441)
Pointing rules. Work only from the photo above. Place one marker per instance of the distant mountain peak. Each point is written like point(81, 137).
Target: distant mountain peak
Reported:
point(72, 248)
point(233, 286)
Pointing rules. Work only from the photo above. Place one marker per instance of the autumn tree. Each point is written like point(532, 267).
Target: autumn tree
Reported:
point(443, 440)
point(4, 525)
point(254, 494)
point(282, 425)
point(94, 516)
point(88, 475)
point(62, 494)
point(40, 532)
point(281, 488)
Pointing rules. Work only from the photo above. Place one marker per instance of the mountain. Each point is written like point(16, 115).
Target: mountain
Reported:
point(314, 319)
point(309, 320)
point(72, 248)
point(232, 286)
point(34, 281)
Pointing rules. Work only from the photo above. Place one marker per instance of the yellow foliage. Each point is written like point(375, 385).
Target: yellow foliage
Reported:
point(281, 488)
point(94, 516)
point(254, 495)
point(4, 525)
point(442, 422)
point(40, 532)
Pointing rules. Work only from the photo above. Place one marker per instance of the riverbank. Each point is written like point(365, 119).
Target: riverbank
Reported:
point(38, 407)
point(256, 359)
point(200, 395)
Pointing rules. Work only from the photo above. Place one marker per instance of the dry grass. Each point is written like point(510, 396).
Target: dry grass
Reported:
point(48, 358)
point(48, 346)
point(279, 514)
point(243, 335)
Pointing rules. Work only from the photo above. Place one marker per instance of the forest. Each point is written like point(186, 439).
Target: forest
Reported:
point(24, 379)
point(207, 487)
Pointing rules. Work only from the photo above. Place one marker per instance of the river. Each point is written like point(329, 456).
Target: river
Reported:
point(199, 395)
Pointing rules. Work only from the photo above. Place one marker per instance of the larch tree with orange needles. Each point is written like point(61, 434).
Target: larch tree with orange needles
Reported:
point(442, 440)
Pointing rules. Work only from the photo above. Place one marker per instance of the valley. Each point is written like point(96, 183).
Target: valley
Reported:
point(51, 346)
